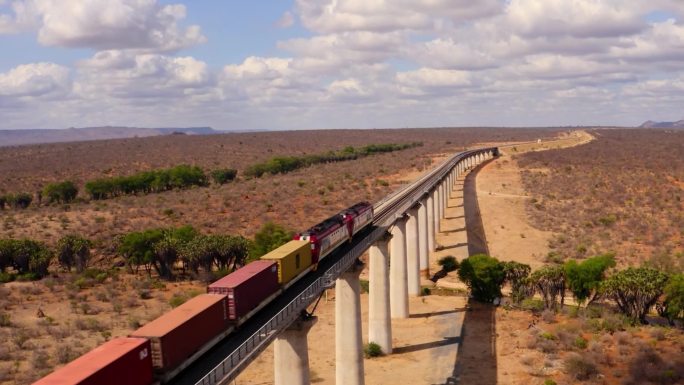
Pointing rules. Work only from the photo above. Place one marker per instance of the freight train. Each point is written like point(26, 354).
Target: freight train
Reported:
point(159, 350)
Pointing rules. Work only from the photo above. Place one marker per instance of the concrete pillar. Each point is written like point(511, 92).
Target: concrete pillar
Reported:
point(348, 343)
point(424, 238)
point(379, 322)
point(398, 273)
point(413, 253)
point(442, 191)
point(291, 354)
point(435, 214)
point(431, 224)
point(445, 198)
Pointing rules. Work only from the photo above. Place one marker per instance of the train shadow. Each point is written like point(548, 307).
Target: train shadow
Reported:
point(436, 313)
point(427, 345)
point(477, 239)
point(476, 358)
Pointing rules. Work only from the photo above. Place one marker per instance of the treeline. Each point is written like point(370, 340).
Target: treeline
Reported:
point(30, 259)
point(635, 290)
point(161, 250)
point(285, 164)
point(17, 201)
point(182, 176)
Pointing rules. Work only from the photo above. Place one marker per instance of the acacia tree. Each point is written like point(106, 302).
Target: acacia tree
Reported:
point(549, 281)
point(635, 290)
point(484, 275)
point(138, 249)
point(584, 279)
point(73, 250)
point(516, 274)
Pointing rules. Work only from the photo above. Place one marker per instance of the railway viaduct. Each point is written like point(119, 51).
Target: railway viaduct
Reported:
point(399, 244)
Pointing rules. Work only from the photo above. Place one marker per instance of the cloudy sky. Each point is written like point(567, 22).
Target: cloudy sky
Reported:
point(283, 64)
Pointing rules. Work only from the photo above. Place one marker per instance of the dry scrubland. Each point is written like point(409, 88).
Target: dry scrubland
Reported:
point(623, 192)
point(237, 208)
point(45, 324)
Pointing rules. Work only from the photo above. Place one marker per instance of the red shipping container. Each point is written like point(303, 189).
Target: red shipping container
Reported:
point(247, 287)
point(119, 361)
point(178, 334)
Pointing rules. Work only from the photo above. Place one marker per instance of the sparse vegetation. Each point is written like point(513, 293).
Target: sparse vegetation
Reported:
point(372, 350)
point(484, 276)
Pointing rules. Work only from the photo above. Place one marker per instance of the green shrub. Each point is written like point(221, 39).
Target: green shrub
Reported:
point(448, 263)
point(584, 278)
point(674, 298)
point(285, 164)
point(5, 320)
point(580, 343)
point(61, 192)
point(484, 276)
point(426, 291)
point(224, 175)
point(364, 286)
point(549, 381)
point(372, 350)
point(182, 176)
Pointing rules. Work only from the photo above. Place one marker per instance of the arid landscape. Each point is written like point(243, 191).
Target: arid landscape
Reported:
point(184, 184)
point(51, 321)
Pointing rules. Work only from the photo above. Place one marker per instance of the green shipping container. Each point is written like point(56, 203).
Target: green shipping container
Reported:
point(292, 258)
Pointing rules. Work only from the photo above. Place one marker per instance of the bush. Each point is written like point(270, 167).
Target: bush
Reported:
point(448, 263)
point(580, 343)
point(585, 278)
point(580, 367)
point(5, 320)
point(182, 176)
point(20, 200)
point(372, 350)
point(177, 300)
point(674, 298)
point(285, 164)
point(29, 258)
point(73, 250)
point(62, 192)
point(484, 276)
point(224, 175)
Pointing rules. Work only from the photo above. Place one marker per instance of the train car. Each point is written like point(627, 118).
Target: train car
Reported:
point(325, 237)
point(293, 258)
point(247, 287)
point(118, 361)
point(357, 217)
point(180, 334)
point(329, 234)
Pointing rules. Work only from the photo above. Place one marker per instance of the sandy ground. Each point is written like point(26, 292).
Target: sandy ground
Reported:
point(501, 199)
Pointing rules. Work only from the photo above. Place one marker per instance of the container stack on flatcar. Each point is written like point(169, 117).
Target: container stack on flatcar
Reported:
point(247, 288)
point(160, 349)
point(175, 336)
point(116, 362)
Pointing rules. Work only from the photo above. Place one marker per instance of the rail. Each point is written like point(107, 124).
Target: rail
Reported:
point(387, 209)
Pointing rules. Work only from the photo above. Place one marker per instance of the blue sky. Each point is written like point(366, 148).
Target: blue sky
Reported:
point(339, 63)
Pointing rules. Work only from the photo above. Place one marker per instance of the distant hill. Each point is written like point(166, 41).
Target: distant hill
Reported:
point(652, 124)
point(35, 136)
